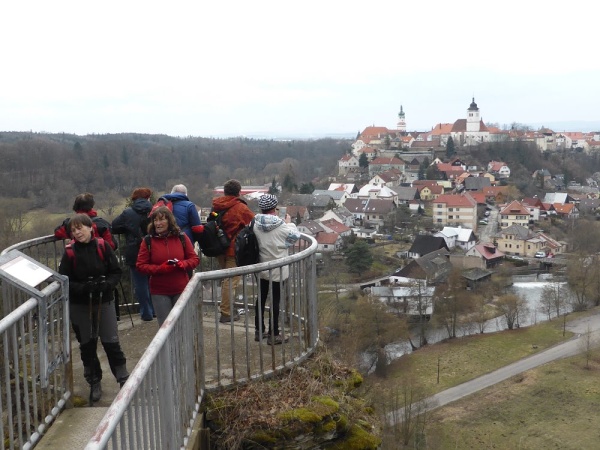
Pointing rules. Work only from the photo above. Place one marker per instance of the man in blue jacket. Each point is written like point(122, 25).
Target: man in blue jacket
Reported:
point(185, 212)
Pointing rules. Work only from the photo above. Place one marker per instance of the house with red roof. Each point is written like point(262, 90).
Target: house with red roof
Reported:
point(500, 168)
point(383, 164)
point(427, 193)
point(328, 242)
point(389, 178)
point(347, 163)
point(566, 210)
point(495, 194)
point(534, 205)
point(488, 253)
point(514, 214)
point(298, 212)
point(455, 210)
point(333, 226)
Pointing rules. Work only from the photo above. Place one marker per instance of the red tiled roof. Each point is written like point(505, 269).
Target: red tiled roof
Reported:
point(456, 200)
point(327, 238)
point(514, 208)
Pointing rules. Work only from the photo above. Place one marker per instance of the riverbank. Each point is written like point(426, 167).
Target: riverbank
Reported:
point(478, 421)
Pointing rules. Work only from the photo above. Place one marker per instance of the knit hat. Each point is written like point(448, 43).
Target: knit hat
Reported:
point(267, 202)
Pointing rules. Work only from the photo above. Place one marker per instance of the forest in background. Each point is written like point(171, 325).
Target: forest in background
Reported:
point(42, 173)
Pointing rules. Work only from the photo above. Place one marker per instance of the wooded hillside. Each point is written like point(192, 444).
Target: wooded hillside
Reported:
point(46, 171)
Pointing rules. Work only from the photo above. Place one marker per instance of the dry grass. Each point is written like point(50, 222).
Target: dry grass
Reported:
point(553, 406)
point(235, 416)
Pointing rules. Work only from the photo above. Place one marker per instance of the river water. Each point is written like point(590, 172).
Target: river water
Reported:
point(528, 287)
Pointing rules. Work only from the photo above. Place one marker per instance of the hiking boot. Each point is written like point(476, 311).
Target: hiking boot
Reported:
point(258, 337)
point(96, 391)
point(276, 340)
point(226, 319)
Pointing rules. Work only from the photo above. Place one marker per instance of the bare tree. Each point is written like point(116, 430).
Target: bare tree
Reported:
point(420, 304)
point(13, 220)
point(405, 416)
point(511, 306)
point(580, 275)
point(553, 299)
point(588, 345)
point(452, 303)
point(374, 327)
point(110, 204)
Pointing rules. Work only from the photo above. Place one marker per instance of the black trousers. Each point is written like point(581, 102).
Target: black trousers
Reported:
point(274, 314)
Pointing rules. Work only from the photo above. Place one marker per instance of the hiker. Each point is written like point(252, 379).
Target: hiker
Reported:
point(84, 204)
point(166, 255)
point(93, 272)
point(185, 211)
point(133, 223)
point(236, 217)
point(275, 236)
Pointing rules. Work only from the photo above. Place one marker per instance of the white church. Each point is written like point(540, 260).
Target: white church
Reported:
point(472, 130)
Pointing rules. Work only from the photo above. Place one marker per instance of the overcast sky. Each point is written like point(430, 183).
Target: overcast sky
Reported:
point(211, 68)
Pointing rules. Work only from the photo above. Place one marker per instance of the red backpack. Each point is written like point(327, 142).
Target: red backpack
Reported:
point(100, 246)
point(161, 202)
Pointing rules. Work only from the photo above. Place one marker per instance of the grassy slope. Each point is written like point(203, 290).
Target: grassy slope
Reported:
point(553, 406)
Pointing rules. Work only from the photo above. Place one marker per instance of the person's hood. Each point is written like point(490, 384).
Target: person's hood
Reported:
point(141, 205)
point(225, 202)
point(267, 222)
point(176, 196)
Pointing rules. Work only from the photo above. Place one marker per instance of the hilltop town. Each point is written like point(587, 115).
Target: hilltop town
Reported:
point(429, 191)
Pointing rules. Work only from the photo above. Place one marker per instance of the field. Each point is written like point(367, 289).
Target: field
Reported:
point(553, 406)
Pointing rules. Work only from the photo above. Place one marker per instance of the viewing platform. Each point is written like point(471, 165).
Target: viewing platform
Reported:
point(171, 367)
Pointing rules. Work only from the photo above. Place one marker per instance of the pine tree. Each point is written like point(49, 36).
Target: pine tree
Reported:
point(450, 150)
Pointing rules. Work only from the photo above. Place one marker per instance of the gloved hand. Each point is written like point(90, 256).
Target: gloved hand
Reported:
point(198, 229)
point(180, 265)
point(102, 286)
point(89, 287)
point(166, 267)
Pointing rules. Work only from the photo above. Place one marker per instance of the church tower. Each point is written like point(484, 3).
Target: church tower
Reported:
point(401, 126)
point(473, 117)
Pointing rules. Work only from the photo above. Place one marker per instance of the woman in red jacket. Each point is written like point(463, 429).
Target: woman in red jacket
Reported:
point(166, 256)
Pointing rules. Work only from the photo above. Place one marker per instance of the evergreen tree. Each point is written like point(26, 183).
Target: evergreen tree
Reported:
point(450, 150)
point(363, 161)
point(307, 188)
point(359, 258)
point(273, 188)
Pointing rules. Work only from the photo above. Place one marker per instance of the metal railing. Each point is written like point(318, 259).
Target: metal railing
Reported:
point(35, 376)
point(193, 353)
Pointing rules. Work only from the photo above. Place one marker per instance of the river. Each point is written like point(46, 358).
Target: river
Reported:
point(528, 287)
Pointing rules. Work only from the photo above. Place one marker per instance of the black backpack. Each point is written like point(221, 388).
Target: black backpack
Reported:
point(213, 241)
point(246, 246)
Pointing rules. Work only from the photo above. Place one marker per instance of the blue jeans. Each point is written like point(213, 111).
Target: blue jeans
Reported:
point(141, 288)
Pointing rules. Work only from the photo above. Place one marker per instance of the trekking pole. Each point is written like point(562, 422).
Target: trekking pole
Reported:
point(126, 304)
point(93, 365)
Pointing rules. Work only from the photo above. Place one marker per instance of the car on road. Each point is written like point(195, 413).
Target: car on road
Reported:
point(540, 255)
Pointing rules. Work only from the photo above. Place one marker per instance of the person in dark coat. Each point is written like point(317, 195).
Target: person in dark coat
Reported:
point(185, 211)
point(93, 272)
point(238, 215)
point(166, 257)
point(84, 204)
point(133, 223)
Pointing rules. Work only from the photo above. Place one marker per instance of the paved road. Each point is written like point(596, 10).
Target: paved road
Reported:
point(564, 350)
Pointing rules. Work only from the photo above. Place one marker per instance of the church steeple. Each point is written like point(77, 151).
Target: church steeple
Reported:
point(401, 125)
point(473, 117)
